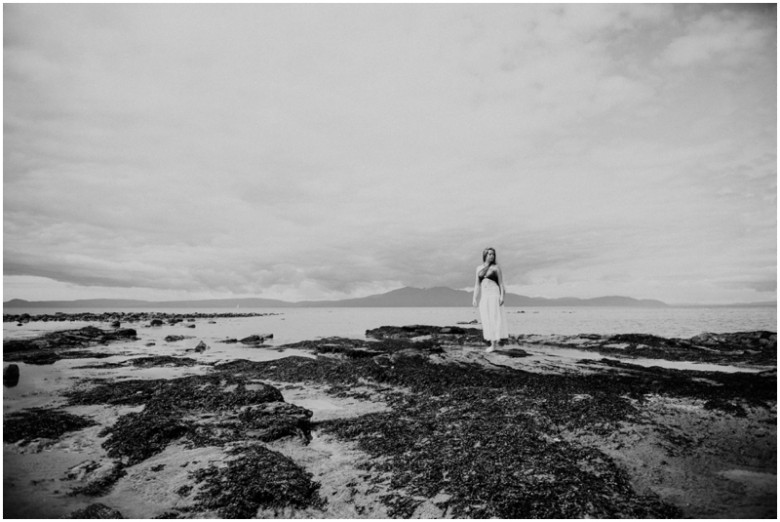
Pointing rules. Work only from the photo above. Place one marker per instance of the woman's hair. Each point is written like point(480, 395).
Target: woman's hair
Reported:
point(485, 253)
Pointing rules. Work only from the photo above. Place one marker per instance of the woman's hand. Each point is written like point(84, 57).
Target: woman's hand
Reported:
point(474, 302)
point(501, 301)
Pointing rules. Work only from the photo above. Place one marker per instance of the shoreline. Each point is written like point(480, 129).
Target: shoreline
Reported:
point(397, 426)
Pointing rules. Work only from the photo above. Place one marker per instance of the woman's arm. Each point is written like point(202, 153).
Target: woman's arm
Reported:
point(500, 285)
point(476, 289)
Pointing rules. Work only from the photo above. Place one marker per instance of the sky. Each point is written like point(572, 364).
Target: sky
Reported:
point(314, 151)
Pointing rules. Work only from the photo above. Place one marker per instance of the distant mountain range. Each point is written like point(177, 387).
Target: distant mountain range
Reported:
point(409, 297)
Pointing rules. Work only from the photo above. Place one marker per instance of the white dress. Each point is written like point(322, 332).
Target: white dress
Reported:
point(492, 314)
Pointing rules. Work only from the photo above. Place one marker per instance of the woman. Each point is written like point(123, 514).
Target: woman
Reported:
point(489, 293)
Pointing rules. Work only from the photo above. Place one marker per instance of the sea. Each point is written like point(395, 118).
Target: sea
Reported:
point(289, 325)
point(39, 384)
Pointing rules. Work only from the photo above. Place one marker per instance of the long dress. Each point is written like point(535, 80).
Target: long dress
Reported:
point(494, 324)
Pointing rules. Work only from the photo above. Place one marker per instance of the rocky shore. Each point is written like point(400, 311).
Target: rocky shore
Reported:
point(125, 317)
point(413, 421)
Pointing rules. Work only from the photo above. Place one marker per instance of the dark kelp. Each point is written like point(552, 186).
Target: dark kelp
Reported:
point(255, 477)
point(197, 410)
point(35, 423)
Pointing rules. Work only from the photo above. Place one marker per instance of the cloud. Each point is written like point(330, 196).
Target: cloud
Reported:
point(730, 34)
point(322, 151)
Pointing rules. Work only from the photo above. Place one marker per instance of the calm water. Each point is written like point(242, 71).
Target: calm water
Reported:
point(295, 324)
point(39, 383)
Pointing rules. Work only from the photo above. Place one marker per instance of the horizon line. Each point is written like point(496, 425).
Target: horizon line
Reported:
point(765, 303)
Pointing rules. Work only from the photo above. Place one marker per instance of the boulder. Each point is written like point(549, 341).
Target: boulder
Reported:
point(272, 420)
point(202, 347)
point(257, 339)
point(156, 322)
point(11, 375)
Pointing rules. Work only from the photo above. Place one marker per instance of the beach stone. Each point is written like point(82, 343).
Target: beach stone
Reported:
point(156, 322)
point(257, 339)
point(173, 338)
point(272, 420)
point(202, 347)
point(11, 375)
point(96, 510)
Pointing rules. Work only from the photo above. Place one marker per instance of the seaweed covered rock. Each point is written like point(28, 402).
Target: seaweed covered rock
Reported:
point(274, 420)
point(756, 348)
point(137, 436)
point(96, 510)
point(358, 349)
point(200, 409)
point(47, 349)
point(81, 338)
point(453, 333)
point(36, 423)
point(255, 478)
point(256, 340)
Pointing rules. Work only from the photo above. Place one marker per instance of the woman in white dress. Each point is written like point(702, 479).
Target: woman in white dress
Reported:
point(489, 294)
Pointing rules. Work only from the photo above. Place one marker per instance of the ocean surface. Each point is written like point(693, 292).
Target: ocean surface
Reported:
point(295, 324)
point(289, 325)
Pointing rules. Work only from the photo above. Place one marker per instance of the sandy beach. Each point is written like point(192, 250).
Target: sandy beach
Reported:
point(415, 422)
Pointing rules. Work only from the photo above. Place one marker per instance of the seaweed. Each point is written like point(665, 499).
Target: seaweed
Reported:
point(137, 436)
point(201, 410)
point(35, 423)
point(255, 478)
point(102, 485)
point(482, 447)
point(146, 362)
point(96, 511)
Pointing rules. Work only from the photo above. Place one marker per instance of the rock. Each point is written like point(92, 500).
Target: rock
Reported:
point(156, 322)
point(271, 420)
point(81, 471)
point(83, 337)
point(173, 338)
point(11, 375)
point(257, 339)
point(116, 324)
point(202, 347)
point(96, 510)
point(190, 326)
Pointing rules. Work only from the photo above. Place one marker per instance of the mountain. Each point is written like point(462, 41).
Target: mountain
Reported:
point(441, 296)
point(411, 297)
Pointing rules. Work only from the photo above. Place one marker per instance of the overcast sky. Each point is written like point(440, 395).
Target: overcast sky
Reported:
point(310, 151)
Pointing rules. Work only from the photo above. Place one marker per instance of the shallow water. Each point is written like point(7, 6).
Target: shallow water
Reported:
point(38, 382)
point(296, 324)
